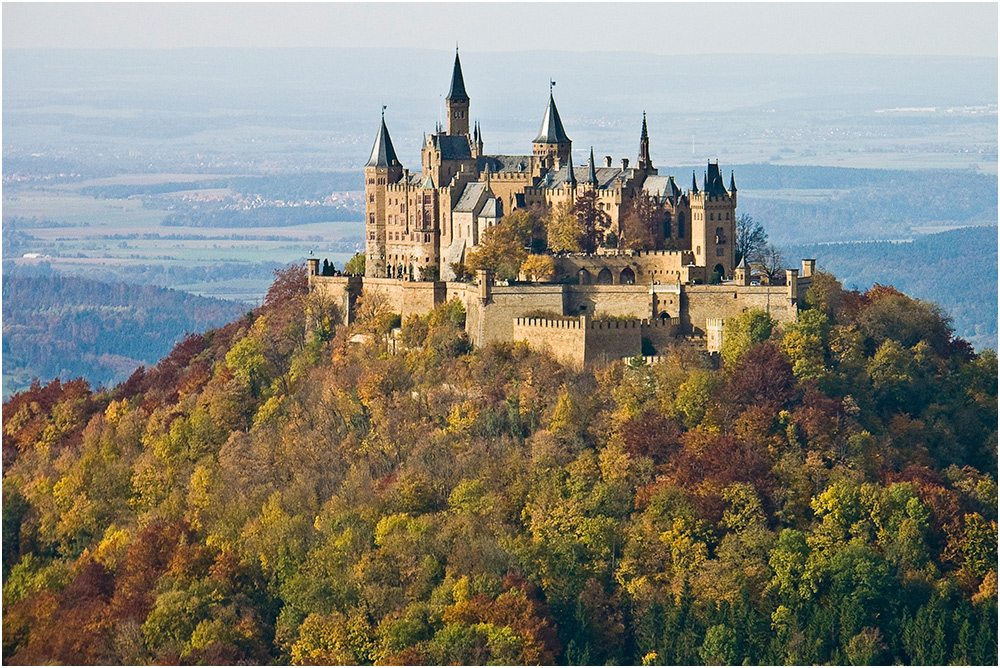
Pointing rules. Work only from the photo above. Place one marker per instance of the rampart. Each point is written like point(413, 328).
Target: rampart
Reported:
point(582, 342)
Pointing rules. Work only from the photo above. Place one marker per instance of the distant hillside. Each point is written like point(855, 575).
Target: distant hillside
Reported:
point(956, 269)
point(69, 327)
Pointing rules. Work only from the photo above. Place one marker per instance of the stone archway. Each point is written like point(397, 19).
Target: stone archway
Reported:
point(583, 276)
point(627, 276)
point(605, 277)
point(720, 270)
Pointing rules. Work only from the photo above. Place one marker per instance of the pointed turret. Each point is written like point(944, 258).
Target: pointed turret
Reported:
point(457, 101)
point(552, 131)
point(552, 144)
point(383, 154)
point(732, 183)
point(570, 176)
point(457, 91)
point(644, 163)
point(694, 181)
point(592, 175)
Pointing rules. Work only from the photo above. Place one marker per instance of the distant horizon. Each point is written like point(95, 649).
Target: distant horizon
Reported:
point(463, 50)
point(663, 29)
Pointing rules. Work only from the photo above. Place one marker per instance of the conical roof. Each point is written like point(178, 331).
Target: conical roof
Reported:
point(570, 176)
point(552, 131)
point(383, 154)
point(592, 176)
point(457, 92)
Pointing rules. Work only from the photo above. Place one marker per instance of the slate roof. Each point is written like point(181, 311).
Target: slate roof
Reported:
point(452, 147)
point(665, 186)
point(470, 197)
point(493, 208)
point(457, 90)
point(504, 163)
point(383, 154)
point(605, 176)
point(552, 131)
point(714, 183)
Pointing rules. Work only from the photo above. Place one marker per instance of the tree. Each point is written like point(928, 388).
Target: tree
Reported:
point(503, 248)
point(751, 240)
point(356, 265)
point(593, 221)
point(771, 266)
point(565, 231)
point(538, 267)
point(740, 333)
point(637, 227)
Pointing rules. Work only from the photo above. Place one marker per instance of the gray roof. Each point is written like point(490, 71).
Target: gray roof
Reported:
point(664, 186)
point(452, 147)
point(714, 184)
point(492, 208)
point(605, 176)
point(552, 131)
point(470, 197)
point(504, 163)
point(383, 155)
point(457, 90)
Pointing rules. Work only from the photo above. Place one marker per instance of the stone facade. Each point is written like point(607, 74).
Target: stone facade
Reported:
point(418, 224)
point(595, 307)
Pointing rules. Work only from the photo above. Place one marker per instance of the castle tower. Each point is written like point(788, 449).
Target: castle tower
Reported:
point(382, 168)
point(645, 163)
point(713, 224)
point(552, 144)
point(458, 102)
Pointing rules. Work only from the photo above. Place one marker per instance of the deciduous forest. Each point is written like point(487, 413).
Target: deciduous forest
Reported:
point(824, 492)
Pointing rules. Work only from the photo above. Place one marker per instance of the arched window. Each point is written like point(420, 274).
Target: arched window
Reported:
point(605, 277)
point(627, 276)
point(584, 277)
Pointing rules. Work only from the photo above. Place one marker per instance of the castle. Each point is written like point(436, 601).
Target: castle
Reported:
point(420, 226)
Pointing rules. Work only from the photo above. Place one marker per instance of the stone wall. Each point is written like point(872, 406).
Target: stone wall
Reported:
point(612, 300)
point(493, 321)
point(564, 338)
point(729, 300)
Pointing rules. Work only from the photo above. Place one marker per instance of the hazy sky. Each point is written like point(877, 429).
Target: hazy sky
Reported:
point(661, 28)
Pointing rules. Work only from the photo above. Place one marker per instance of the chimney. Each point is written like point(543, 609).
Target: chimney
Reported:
point(624, 164)
point(607, 161)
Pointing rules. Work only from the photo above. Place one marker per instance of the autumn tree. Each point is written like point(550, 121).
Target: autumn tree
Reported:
point(565, 231)
point(592, 219)
point(751, 240)
point(643, 216)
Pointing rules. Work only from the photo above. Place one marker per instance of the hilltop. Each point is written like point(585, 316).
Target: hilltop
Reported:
point(274, 492)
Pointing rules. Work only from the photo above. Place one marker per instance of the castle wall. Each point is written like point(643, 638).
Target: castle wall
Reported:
point(611, 340)
point(342, 291)
point(408, 297)
point(563, 338)
point(493, 321)
point(612, 300)
point(701, 302)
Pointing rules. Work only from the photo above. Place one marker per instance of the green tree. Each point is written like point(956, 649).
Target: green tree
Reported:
point(739, 334)
point(565, 231)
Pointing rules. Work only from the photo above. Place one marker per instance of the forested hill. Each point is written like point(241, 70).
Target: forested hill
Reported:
point(269, 493)
point(956, 269)
point(71, 327)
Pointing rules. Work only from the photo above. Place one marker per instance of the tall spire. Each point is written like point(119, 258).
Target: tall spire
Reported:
point(570, 175)
point(592, 176)
point(644, 162)
point(457, 92)
point(383, 155)
point(732, 182)
point(694, 181)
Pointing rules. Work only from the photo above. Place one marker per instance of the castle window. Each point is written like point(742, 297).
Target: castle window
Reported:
point(719, 252)
point(711, 216)
point(727, 216)
point(371, 235)
point(371, 197)
point(371, 218)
